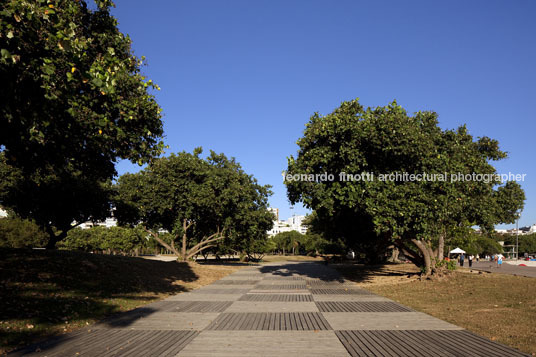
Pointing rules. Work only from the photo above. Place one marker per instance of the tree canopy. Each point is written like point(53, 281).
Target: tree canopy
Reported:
point(416, 214)
point(73, 101)
point(200, 201)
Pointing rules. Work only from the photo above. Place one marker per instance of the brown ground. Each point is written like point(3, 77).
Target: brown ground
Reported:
point(500, 307)
point(290, 258)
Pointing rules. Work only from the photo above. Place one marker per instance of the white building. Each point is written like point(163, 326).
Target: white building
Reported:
point(532, 229)
point(294, 223)
point(108, 222)
point(275, 212)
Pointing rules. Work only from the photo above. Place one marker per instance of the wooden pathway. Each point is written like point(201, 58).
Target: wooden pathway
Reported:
point(285, 309)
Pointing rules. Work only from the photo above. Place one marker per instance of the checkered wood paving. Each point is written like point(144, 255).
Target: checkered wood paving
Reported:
point(421, 343)
point(281, 309)
point(220, 291)
point(193, 306)
point(361, 306)
point(270, 321)
point(278, 297)
point(236, 282)
point(284, 278)
point(281, 287)
point(337, 291)
point(115, 342)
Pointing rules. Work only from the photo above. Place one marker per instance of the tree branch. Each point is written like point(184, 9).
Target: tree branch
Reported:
point(161, 241)
point(206, 241)
point(191, 254)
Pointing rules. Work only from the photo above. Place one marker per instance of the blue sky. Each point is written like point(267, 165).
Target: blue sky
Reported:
point(243, 77)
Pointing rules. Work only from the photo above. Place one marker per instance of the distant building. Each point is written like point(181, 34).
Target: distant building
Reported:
point(528, 230)
point(3, 214)
point(275, 212)
point(294, 223)
point(108, 222)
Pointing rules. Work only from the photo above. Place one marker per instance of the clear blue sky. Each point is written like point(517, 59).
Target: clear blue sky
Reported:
point(243, 77)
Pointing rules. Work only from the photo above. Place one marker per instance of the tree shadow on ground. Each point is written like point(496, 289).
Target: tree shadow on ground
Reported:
point(43, 292)
point(307, 270)
point(224, 262)
point(349, 271)
point(361, 273)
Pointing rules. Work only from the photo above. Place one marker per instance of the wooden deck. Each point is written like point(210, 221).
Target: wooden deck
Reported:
point(294, 309)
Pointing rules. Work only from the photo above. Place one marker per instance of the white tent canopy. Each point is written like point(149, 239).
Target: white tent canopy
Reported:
point(457, 251)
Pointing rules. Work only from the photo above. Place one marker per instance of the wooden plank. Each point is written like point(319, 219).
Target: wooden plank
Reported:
point(321, 291)
point(421, 343)
point(353, 343)
point(283, 321)
point(275, 298)
point(236, 282)
point(209, 291)
point(177, 343)
point(413, 345)
point(265, 343)
point(360, 306)
point(195, 306)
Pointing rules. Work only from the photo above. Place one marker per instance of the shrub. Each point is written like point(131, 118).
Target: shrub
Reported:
point(21, 233)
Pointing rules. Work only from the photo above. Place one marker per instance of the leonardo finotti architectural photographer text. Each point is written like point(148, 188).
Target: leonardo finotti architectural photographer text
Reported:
point(404, 177)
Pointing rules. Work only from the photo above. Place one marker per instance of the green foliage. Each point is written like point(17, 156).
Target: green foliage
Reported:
point(73, 101)
point(294, 242)
point(527, 243)
point(374, 213)
point(448, 264)
point(314, 244)
point(287, 242)
point(54, 200)
point(481, 244)
point(484, 246)
point(21, 233)
point(114, 239)
point(197, 200)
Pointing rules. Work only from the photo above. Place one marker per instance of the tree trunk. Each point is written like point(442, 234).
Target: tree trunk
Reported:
point(53, 238)
point(410, 254)
point(205, 243)
point(184, 244)
point(185, 226)
point(425, 251)
point(441, 247)
point(394, 255)
point(161, 242)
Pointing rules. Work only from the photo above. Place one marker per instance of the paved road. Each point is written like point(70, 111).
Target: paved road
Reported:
point(505, 268)
point(285, 309)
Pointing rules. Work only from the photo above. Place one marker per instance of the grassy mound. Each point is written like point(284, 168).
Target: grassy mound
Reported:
point(43, 293)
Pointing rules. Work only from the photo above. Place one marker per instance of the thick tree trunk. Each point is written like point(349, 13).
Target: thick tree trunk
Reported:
point(54, 238)
point(425, 251)
point(411, 255)
point(394, 255)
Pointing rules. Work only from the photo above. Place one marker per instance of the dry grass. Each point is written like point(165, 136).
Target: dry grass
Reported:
point(290, 258)
point(500, 307)
point(44, 293)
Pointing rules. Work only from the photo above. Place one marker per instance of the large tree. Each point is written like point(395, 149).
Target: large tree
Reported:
point(415, 214)
point(199, 201)
point(72, 102)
